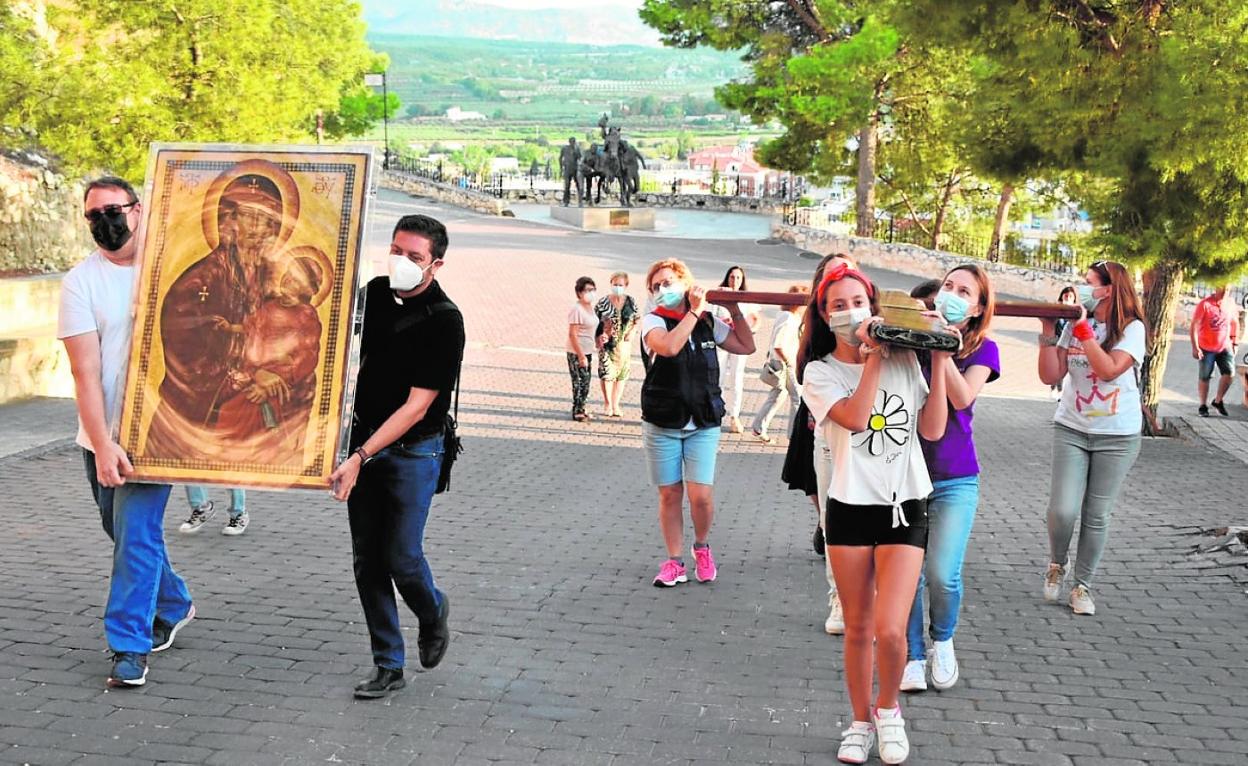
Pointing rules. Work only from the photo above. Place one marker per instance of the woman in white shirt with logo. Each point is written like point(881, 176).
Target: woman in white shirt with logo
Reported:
point(1096, 435)
point(871, 403)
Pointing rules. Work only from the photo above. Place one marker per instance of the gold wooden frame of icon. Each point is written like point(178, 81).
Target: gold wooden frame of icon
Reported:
point(246, 314)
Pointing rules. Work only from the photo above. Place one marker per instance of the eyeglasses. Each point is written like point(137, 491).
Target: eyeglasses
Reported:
point(96, 214)
point(1101, 267)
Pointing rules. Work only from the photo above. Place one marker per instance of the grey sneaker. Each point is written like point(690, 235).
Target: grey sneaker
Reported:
point(199, 517)
point(236, 525)
point(1081, 600)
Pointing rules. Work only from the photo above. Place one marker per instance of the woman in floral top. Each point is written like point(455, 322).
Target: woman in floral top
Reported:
point(618, 314)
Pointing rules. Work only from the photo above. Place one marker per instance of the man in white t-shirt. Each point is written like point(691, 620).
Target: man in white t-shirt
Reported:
point(147, 601)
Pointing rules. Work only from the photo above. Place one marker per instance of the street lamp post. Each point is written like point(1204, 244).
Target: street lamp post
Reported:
point(373, 80)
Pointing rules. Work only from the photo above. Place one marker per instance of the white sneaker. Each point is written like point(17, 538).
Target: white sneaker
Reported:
point(236, 525)
point(914, 677)
point(198, 518)
point(856, 742)
point(1081, 600)
point(1053, 582)
point(890, 732)
point(835, 624)
point(944, 664)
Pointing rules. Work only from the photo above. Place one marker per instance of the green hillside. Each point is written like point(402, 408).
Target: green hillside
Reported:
point(552, 83)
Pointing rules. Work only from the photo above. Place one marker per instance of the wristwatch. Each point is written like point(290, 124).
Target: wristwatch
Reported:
point(364, 456)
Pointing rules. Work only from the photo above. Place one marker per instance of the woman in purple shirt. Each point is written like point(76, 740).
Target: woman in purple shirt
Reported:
point(966, 302)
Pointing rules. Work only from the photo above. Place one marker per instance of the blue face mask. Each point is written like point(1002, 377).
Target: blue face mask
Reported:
point(953, 308)
point(1084, 295)
point(670, 297)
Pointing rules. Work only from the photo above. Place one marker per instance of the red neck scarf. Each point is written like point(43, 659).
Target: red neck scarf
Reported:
point(667, 313)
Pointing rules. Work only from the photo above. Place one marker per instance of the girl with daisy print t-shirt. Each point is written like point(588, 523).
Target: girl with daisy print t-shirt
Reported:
point(871, 403)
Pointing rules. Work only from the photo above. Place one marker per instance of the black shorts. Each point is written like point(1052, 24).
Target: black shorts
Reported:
point(873, 524)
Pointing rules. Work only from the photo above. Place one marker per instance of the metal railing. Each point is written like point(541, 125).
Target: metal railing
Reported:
point(1047, 255)
point(452, 175)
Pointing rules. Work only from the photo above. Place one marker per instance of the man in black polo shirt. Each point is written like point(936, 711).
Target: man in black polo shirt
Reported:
point(410, 355)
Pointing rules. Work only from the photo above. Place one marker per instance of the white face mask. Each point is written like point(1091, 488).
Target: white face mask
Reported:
point(590, 296)
point(845, 323)
point(404, 275)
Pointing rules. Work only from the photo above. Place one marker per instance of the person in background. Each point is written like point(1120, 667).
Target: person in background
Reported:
point(681, 409)
point(782, 356)
point(1068, 297)
point(1096, 433)
point(202, 510)
point(1214, 332)
point(967, 303)
point(1241, 356)
point(926, 291)
point(732, 366)
point(617, 313)
point(582, 321)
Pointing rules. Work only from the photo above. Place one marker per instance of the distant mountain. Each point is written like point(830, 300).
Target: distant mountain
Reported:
point(593, 24)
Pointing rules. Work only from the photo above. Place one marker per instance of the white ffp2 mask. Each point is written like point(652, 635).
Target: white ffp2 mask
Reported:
point(404, 275)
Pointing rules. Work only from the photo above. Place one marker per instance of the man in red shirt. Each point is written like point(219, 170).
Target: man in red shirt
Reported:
point(1214, 332)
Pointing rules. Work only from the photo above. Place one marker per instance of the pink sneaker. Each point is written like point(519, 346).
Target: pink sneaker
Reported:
point(670, 573)
point(704, 564)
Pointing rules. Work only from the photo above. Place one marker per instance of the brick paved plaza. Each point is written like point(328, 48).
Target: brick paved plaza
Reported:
point(563, 653)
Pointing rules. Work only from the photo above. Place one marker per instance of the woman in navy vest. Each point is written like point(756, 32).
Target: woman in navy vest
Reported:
point(681, 409)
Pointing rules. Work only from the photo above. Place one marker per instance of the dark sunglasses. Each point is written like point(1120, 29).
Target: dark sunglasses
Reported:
point(1100, 268)
point(108, 210)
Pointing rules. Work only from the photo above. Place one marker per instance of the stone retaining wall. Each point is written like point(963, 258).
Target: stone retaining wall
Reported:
point(448, 193)
point(41, 226)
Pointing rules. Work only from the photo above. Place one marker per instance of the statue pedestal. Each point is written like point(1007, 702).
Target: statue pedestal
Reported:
point(603, 218)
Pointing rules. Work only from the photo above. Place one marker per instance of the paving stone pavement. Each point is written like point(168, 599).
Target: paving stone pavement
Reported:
point(563, 652)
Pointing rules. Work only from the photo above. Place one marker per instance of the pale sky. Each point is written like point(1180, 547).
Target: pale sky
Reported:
point(523, 4)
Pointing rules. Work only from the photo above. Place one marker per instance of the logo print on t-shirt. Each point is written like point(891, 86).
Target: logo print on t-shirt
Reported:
point(889, 421)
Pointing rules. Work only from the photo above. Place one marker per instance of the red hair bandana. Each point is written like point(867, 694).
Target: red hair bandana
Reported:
point(837, 273)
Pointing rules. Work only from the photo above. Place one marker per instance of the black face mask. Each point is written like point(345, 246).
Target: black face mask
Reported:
point(110, 230)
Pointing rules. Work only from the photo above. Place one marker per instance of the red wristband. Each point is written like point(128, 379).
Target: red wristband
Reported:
point(1083, 331)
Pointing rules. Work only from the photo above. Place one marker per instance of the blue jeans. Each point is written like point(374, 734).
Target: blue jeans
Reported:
point(388, 509)
point(103, 496)
point(144, 584)
point(950, 516)
point(197, 496)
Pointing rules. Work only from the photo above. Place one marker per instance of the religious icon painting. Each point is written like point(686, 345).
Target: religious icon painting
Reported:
point(245, 314)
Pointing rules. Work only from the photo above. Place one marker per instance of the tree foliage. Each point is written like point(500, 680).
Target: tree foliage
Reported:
point(123, 74)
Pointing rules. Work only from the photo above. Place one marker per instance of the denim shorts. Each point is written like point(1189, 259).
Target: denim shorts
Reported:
point(1224, 359)
point(675, 454)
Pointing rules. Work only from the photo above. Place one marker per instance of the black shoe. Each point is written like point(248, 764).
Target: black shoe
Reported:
point(817, 540)
point(1220, 407)
point(433, 639)
point(382, 683)
point(1203, 411)
point(163, 632)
